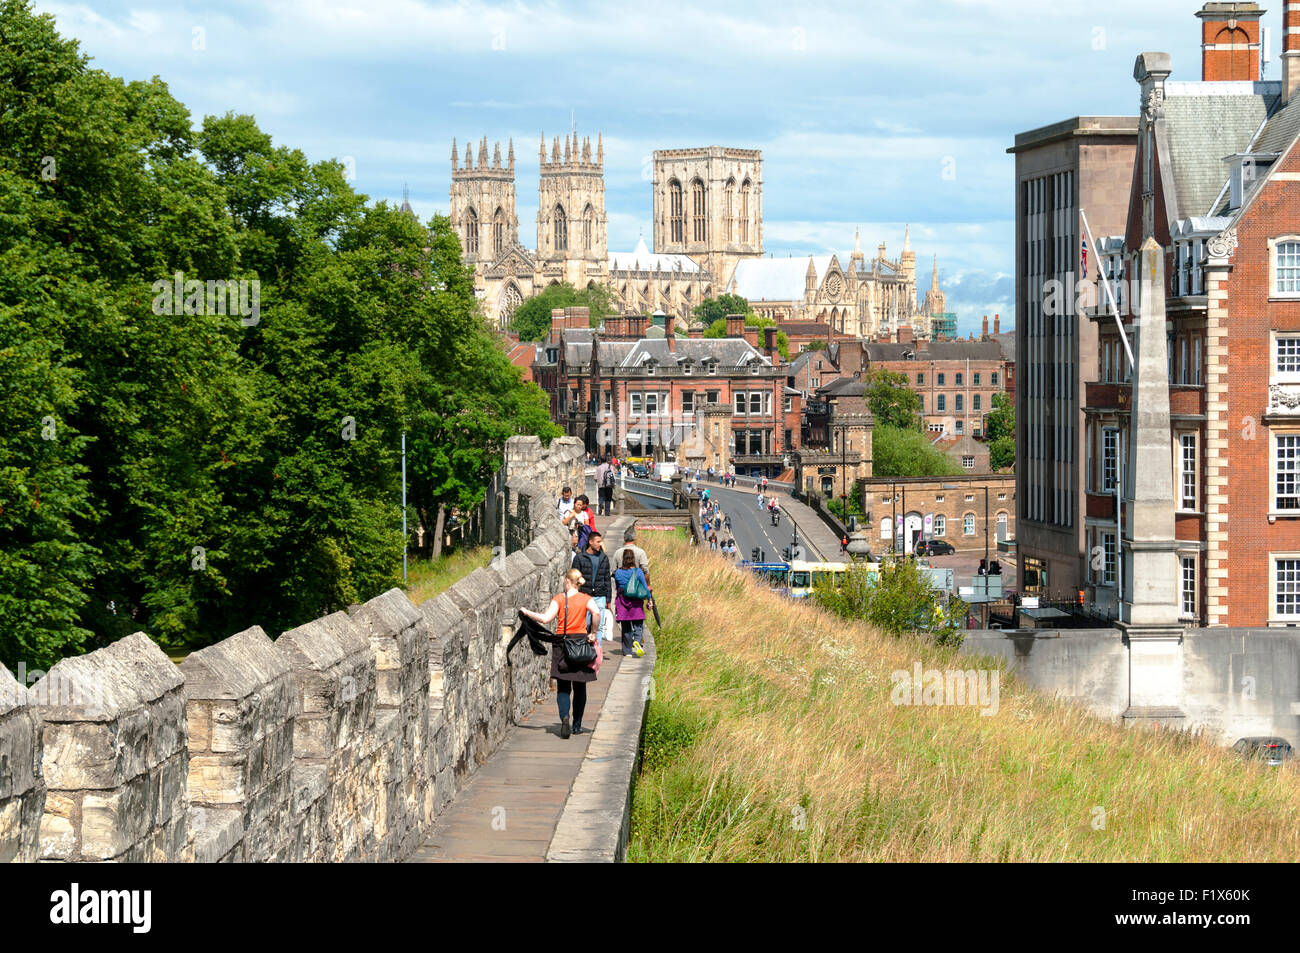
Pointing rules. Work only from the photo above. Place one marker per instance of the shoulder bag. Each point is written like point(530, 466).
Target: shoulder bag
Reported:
point(578, 653)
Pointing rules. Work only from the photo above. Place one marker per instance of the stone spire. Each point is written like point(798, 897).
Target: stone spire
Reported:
point(1150, 598)
point(810, 277)
point(541, 150)
point(455, 157)
point(469, 152)
point(555, 150)
point(482, 153)
point(566, 153)
point(934, 275)
point(600, 149)
point(496, 156)
point(511, 157)
point(907, 238)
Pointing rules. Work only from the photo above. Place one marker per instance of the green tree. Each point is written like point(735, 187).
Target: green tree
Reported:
point(896, 597)
point(711, 310)
point(892, 402)
point(718, 329)
point(1001, 432)
point(907, 453)
point(532, 319)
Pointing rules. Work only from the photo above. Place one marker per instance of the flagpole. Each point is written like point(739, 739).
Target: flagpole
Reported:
point(1110, 295)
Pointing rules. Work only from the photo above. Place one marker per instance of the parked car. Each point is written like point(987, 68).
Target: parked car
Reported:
point(934, 547)
point(1272, 751)
point(640, 471)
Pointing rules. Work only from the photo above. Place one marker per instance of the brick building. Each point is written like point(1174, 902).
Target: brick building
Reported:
point(1214, 213)
point(638, 389)
point(968, 511)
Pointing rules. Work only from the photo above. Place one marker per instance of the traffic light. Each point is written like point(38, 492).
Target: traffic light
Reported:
point(786, 554)
point(753, 554)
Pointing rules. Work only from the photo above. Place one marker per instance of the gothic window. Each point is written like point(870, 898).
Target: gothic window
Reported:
point(744, 211)
point(588, 228)
point(698, 222)
point(729, 210)
point(499, 231)
point(471, 232)
point(560, 224)
point(676, 219)
point(510, 300)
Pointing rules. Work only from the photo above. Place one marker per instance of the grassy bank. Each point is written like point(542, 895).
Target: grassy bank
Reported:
point(427, 578)
point(772, 736)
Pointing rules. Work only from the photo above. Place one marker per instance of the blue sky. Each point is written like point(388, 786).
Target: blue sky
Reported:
point(870, 114)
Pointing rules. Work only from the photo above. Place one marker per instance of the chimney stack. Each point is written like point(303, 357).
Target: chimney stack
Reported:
point(1230, 47)
point(695, 333)
point(769, 344)
point(735, 325)
point(579, 317)
point(670, 333)
point(906, 335)
point(1290, 50)
point(997, 324)
point(984, 334)
point(557, 323)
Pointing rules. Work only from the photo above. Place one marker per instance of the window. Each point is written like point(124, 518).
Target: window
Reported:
point(1286, 467)
point(970, 497)
point(560, 224)
point(756, 402)
point(941, 403)
point(1108, 559)
point(676, 219)
point(1003, 521)
point(968, 524)
point(652, 405)
point(686, 368)
point(938, 499)
point(960, 426)
point(471, 232)
point(960, 403)
point(1187, 471)
point(698, 220)
point(941, 379)
point(588, 228)
point(1286, 588)
point(634, 404)
point(788, 404)
point(975, 402)
point(886, 529)
point(940, 525)
point(1002, 497)
point(608, 397)
point(1109, 459)
point(740, 403)
point(1287, 352)
point(920, 379)
point(688, 402)
point(993, 378)
point(934, 428)
point(713, 368)
point(744, 211)
point(968, 462)
point(1287, 268)
point(1188, 586)
point(975, 380)
point(958, 379)
point(498, 232)
point(728, 216)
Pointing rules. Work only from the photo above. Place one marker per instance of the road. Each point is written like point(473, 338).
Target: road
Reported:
point(750, 527)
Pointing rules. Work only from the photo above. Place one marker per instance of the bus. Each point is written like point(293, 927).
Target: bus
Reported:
point(805, 575)
point(775, 576)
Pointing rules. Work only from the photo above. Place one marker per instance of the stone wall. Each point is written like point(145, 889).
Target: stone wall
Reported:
point(341, 740)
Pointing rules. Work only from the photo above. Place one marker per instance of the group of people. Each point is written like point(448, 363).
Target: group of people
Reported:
point(581, 609)
point(716, 522)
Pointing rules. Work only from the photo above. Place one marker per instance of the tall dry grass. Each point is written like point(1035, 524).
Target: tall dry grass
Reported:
point(772, 736)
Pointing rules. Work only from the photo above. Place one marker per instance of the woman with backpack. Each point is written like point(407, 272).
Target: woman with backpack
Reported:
point(630, 610)
point(574, 611)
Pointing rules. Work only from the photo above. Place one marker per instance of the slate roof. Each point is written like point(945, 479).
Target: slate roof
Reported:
point(728, 352)
point(1205, 122)
point(937, 351)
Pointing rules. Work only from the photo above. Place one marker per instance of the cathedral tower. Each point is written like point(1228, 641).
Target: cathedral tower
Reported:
point(483, 203)
point(708, 203)
point(571, 227)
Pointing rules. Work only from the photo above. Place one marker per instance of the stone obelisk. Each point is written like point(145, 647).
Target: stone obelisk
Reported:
point(1149, 603)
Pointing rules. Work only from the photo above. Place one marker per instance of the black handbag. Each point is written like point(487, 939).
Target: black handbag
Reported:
point(578, 653)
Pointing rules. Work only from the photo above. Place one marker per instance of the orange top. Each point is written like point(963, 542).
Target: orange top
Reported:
point(576, 621)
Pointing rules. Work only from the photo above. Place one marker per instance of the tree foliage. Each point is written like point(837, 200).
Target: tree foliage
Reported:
point(892, 402)
point(1001, 432)
point(532, 319)
point(187, 471)
point(896, 597)
point(711, 310)
point(907, 453)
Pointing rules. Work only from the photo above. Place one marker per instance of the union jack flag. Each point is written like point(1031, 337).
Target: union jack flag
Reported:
point(1085, 257)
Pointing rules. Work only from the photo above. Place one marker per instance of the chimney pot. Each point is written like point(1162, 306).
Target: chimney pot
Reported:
point(984, 334)
point(735, 325)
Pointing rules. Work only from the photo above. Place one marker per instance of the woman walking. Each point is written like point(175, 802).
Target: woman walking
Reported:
point(574, 609)
point(630, 613)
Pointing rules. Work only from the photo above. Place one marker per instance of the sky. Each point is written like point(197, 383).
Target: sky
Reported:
point(870, 115)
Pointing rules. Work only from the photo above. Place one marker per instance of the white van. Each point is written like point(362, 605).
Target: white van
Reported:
point(664, 472)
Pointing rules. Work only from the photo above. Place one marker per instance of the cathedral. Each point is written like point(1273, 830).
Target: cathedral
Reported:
point(708, 240)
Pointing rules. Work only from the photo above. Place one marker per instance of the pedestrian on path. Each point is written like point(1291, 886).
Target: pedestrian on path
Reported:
point(761, 501)
point(629, 544)
point(604, 488)
point(580, 522)
point(594, 566)
point(574, 611)
point(630, 613)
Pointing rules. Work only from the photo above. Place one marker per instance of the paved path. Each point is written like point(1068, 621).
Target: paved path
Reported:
point(751, 528)
point(510, 808)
